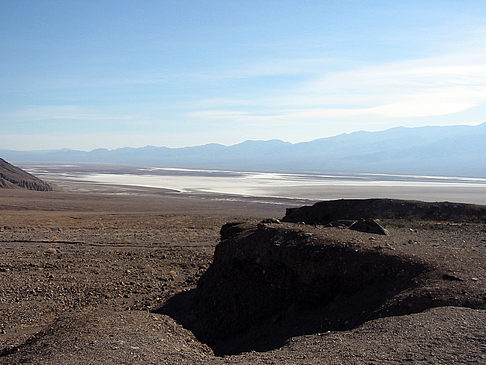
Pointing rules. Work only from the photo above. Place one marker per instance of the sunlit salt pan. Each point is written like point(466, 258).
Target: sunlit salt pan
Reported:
point(262, 184)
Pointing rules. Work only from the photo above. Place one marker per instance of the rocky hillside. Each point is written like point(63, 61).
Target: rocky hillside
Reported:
point(12, 177)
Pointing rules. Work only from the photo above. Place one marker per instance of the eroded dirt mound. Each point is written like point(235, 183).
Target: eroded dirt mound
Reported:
point(344, 209)
point(109, 337)
point(12, 177)
point(270, 282)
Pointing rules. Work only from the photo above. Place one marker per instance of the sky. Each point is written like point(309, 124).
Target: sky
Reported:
point(90, 74)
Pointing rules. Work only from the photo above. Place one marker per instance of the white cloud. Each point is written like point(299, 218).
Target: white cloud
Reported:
point(81, 141)
point(75, 113)
point(419, 88)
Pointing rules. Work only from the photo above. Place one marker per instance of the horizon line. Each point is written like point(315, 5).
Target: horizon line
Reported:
point(247, 140)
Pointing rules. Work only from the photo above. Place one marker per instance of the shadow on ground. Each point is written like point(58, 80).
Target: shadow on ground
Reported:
point(247, 311)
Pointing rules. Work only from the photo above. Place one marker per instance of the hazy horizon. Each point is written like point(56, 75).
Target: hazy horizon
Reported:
point(234, 144)
point(110, 74)
point(440, 151)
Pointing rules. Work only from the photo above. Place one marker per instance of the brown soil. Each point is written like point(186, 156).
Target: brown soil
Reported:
point(82, 278)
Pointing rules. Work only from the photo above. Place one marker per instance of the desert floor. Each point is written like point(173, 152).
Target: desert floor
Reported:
point(82, 273)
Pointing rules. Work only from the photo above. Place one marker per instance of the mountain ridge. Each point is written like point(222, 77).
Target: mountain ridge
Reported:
point(450, 150)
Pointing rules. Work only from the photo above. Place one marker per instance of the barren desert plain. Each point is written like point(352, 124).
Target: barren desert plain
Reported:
point(106, 274)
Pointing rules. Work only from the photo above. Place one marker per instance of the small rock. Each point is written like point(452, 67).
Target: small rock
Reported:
point(230, 230)
point(450, 277)
point(261, 226)
point(270, 220)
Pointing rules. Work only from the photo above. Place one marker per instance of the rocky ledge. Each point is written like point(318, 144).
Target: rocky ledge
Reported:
point(327, 212)
point(272, 281)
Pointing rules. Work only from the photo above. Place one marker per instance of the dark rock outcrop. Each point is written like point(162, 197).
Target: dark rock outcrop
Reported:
point(270, 282)
point(12, 177)
point(258, 273)
point(275, 281)
point(345, 209)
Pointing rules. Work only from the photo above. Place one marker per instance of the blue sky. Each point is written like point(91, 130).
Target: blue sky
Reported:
point(88, 74)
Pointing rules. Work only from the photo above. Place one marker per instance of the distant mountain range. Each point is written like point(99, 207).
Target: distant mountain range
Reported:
point(12, 177)
point(449, 151)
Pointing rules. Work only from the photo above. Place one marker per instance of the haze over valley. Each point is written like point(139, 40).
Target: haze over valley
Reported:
point(437, 151)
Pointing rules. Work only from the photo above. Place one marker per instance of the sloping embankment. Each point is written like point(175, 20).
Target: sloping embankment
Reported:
point(270, 282)
point(12, 177)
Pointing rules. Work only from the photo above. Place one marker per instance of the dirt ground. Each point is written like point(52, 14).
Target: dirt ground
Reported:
point(81, 273)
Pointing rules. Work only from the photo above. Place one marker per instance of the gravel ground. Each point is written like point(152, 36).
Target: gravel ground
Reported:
point(81, 272)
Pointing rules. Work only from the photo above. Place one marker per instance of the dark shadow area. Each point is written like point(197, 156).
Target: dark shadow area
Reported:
point(260, 307)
